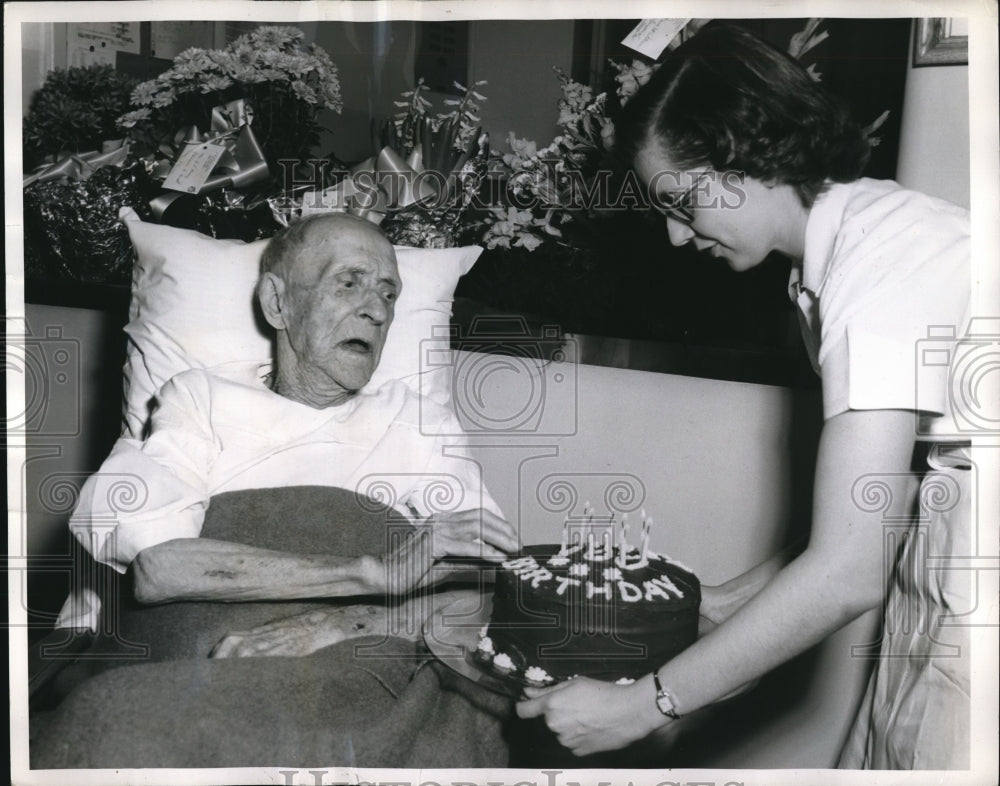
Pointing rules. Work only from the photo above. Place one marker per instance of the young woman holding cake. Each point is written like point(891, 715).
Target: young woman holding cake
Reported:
point(745, 155)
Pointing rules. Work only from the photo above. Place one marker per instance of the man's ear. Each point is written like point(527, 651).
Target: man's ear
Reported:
point(271, 294)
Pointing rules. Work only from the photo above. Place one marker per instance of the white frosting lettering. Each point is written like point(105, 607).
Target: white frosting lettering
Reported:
point(520, 564)
point(558, 561)
point(536, 576)
point(579, 569)
point(652, 588)
point(629, 591)
point(565, 582)
point(637, 560)
point(592, 590)
point(669, 585)
point(612, 574)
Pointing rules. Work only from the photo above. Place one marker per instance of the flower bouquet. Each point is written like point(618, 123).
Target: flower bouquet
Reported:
point(282, 82)
point(223, 124)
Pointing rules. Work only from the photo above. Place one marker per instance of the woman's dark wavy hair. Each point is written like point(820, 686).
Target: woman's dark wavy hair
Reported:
point(728, 99)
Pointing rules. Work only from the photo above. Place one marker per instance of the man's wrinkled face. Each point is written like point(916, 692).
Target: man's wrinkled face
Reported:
point(341, 292)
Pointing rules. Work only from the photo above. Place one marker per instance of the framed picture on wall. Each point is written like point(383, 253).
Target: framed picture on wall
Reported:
point(940, 41)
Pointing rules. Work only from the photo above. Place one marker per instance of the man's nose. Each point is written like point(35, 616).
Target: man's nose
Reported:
point(678, 232)
point(374, 307)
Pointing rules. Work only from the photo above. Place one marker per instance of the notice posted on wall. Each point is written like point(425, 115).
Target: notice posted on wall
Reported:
point(98, 43)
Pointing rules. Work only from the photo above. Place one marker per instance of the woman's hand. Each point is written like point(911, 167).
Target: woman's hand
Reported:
point(589, 716)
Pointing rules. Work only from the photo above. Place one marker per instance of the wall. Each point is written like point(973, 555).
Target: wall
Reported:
point(516, 59)
point(43, 47)
point(375, 62)
point(934, 140)
point(76, 420)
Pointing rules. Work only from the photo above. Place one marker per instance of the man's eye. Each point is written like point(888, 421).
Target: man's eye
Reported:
point(390, 295)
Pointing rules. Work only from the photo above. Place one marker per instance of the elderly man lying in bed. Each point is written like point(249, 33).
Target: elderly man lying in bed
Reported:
point(258, 483)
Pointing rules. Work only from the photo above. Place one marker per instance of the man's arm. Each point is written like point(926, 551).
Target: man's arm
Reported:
point(206, 569)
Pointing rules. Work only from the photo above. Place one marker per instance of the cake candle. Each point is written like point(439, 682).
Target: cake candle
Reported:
point(646, 524)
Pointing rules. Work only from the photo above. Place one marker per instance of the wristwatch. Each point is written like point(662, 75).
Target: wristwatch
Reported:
point(664, 701)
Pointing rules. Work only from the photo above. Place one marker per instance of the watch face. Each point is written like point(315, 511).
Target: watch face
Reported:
point(666, 705)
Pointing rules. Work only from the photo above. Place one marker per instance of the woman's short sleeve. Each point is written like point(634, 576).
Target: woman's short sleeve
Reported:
point(898, 279)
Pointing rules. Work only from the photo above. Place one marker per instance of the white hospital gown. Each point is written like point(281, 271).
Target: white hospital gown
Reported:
point(224, 430)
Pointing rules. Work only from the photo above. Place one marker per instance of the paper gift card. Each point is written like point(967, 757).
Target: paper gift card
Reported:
point(194, 166)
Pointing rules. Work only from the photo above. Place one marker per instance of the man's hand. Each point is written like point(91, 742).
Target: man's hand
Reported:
point(473, 534)
point(303, 634)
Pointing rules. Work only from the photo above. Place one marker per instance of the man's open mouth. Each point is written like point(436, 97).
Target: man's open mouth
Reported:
point(358, 345)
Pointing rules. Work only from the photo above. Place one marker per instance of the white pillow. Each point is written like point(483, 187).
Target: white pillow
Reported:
point(193, 307)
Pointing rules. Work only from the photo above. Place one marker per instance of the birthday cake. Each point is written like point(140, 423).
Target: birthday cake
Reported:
point(608, 612)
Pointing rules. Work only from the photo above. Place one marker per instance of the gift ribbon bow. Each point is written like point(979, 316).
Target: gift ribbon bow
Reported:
point(80, 166)
point(242, 164)
point(388, 182)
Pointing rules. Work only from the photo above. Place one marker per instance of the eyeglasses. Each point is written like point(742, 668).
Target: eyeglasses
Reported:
point(681, 205)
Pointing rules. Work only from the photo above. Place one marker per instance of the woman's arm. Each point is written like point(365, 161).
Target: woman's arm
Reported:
point(837, 578)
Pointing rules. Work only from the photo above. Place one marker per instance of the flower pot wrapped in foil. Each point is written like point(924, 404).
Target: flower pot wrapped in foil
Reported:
point(415, 204)
point(71, 227)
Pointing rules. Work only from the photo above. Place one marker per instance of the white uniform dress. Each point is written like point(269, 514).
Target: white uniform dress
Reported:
point(883, 294)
